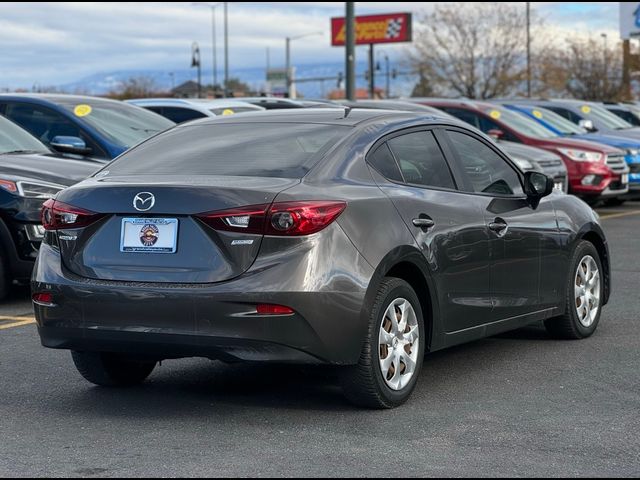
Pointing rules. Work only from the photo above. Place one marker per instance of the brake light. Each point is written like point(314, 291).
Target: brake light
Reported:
point(56, 215)
point(280, 219)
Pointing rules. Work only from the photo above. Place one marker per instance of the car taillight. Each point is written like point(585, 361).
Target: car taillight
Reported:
point(280, 219)
point(56, 215)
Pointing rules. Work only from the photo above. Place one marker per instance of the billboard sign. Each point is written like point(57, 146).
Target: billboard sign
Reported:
point(370, 29)
point(629, 19)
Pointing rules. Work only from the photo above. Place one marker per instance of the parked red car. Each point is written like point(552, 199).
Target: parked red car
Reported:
point(595, 171)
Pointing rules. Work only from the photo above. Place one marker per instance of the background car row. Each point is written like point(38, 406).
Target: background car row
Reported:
point(49, 142)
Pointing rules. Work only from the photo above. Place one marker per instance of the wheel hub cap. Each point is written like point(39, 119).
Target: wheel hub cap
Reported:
point(587, 291)
point(398, 344)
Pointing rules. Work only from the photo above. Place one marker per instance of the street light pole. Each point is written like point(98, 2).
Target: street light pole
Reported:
point(195, 62)
point(214, 48)
point(287, 65)
point(287, 61)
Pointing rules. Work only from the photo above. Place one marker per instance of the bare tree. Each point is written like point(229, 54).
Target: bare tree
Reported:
point(474, 50)
point(135, 87)
point(584, 69)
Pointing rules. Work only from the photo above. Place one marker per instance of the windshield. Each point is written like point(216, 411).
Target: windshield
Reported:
point(285, 150)
point(520, 123)
point(15, 139)
point(603, 117)
point(122, 123)
point(557, 122)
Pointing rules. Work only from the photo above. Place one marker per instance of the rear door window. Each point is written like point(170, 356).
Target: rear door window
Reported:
point(421, 161)
point(382, 160)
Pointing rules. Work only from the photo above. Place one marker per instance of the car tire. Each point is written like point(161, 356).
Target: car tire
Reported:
point(5, 283)
point(578, 321)
point(367, 384)
point(110, 369)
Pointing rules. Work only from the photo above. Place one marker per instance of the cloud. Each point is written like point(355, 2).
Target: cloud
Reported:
point(52, 43)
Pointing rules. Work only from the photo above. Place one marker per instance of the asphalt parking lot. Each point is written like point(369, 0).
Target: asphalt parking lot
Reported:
point(519, 404)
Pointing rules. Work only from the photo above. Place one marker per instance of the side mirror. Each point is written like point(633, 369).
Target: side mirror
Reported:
point(496, 134)
point(537, 185)
point(587, 125)
point(72, 145)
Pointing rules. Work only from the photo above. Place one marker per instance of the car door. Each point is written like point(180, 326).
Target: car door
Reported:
point(447, 224)
point(525, 260)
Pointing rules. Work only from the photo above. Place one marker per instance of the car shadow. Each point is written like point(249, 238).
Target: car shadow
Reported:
point(196, 387)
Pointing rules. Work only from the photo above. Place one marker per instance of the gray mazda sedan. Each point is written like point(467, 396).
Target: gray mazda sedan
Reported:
point(356, 238)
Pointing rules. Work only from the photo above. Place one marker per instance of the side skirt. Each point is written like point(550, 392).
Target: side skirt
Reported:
point(489, 329)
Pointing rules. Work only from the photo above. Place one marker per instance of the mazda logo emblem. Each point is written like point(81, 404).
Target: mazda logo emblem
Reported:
point(144, 201)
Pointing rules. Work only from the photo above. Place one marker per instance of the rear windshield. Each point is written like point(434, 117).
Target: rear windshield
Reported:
point(286, 150)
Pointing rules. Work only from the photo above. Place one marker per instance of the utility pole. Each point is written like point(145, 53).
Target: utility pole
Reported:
point(226, 51)
point(350, 52)
point(529, 49)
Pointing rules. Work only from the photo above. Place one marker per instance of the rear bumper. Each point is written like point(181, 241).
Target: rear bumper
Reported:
point(215, 320)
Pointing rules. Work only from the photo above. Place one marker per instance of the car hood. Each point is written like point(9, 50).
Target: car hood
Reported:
point(579, 144)
point(613, 140)
point(46, 168)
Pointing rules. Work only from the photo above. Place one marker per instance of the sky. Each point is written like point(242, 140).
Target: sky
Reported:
point(53, 43)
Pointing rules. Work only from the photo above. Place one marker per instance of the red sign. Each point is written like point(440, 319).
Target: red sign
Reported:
point(386, 28)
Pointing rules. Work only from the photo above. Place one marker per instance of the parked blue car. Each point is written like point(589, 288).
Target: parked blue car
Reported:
point(92, 127)
point(561, 126)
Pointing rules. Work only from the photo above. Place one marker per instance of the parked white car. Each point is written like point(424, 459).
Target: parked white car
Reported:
point(180, 110)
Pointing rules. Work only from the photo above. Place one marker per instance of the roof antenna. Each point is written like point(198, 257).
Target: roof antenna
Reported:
point(347, 111)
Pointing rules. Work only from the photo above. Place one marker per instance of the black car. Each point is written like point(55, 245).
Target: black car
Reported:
point(29, 175)
point(357, 238)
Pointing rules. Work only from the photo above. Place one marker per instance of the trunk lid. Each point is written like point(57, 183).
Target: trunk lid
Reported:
point(202, 254)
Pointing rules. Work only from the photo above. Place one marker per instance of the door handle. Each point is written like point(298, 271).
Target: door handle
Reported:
point(499, 226)
point(423, 223)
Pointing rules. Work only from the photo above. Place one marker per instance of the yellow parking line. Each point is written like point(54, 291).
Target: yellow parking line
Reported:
point(18, 323)
point(618, 215)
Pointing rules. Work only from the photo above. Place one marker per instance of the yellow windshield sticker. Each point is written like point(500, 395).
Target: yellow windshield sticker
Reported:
point(82, 110)
point(228, 111)
point(586, 109)
point(495, 114)
point(537, 113)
